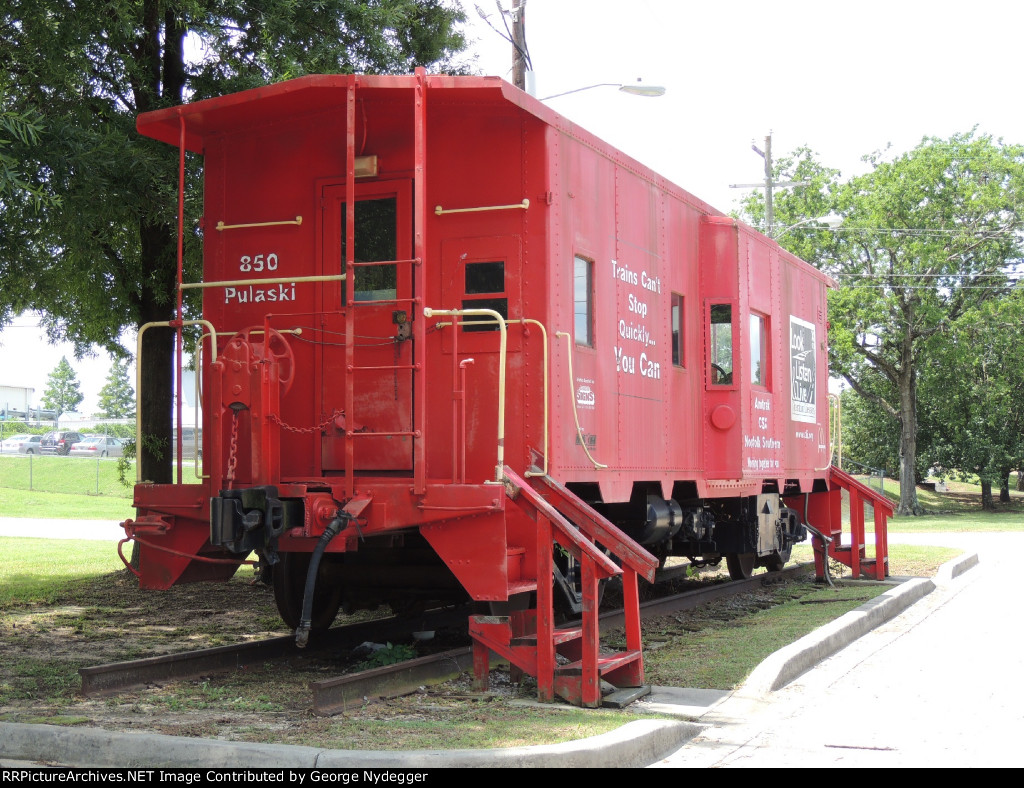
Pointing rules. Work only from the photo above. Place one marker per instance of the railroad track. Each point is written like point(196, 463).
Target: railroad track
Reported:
point(335, 695)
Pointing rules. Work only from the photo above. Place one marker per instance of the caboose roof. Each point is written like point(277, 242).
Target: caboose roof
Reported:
point(251, 109)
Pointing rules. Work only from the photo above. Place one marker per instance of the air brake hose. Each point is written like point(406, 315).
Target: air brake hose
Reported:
point(336, 526)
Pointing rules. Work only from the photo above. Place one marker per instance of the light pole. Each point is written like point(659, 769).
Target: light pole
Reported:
point(634, 89)
point(829, 222)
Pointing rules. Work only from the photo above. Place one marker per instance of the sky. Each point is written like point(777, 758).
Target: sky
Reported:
point(844, 79)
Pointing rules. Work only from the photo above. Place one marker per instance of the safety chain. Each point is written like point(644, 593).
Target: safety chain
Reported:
point(233, 451)
point(306, 430)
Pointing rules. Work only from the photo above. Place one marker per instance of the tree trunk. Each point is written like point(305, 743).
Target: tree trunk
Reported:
point(986, 497)
point(1004, 488)
point(909, 504)
point(156, 365)
point(1020, 479)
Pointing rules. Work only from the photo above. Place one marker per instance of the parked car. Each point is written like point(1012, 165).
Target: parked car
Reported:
point(59, 442)
point(30, 445)
point(12, 444)
point(190, 443)
point(101, 446)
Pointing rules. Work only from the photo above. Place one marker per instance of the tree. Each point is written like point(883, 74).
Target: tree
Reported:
point(63, 393)
point(117, 397)
point(107, 259)
point(979, 424)
point(926, 237)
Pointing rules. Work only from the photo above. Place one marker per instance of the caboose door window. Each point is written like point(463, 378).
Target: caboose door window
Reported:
point(720, 355)
point(759, 350)
point(381, 313)
point(375, 239)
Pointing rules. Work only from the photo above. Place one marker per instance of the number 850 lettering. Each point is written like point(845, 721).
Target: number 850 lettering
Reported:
point(258, 263)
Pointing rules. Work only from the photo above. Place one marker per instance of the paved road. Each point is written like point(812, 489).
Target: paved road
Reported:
point(98, 530)
point(938, 686)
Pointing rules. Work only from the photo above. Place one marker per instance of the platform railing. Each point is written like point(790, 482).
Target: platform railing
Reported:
point(138, 385)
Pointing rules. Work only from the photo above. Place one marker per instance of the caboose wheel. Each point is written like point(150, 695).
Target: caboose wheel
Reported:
point(777, 560)
point(741, 565)
point(289, 586)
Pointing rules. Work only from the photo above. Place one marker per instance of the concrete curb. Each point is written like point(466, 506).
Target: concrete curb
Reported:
point(635, 744)
point(951, 570)
point(787, 663)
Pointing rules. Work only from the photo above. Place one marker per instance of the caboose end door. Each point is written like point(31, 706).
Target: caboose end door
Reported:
point(719, 283)
point(380, 413)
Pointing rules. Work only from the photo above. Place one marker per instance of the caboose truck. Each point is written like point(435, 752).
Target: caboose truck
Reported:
point(455, 348)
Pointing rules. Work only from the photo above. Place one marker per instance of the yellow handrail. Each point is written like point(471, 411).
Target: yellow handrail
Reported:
point(275, 281)
point(439, 211)
point(544, 333)
point(221, 226)
point(575, 413)
point(138, 380)
point(428, 312)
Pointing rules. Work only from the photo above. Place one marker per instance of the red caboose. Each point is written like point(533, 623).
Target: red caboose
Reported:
point(446, 333)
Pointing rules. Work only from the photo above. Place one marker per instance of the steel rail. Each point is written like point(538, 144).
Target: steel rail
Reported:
point(117, 677)
point(335, 695)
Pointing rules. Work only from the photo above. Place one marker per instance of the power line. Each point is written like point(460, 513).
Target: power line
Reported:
point(1008, 286)
point(909, 231)
point(1007, 275)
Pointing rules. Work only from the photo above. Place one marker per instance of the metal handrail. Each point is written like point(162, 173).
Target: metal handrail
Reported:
point(138, 381)
point(575, 413)
point(503, 328)
point(544, 335)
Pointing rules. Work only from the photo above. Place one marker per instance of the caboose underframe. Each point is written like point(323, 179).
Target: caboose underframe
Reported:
point(455, 348)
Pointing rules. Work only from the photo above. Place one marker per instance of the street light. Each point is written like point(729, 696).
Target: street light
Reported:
point(830, 222)
point(634, 89)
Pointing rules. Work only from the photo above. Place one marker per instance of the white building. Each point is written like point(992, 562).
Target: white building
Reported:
point(15, 401)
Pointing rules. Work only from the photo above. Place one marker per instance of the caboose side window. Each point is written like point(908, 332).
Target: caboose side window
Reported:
point(485, 279)
point(758, 350)
point(677, 330)
point(583, 301)
point(720, 337)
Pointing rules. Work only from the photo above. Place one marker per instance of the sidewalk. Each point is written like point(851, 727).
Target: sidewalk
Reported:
point(93, 530)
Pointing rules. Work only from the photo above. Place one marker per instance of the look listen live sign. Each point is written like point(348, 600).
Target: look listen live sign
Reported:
point(803, 380)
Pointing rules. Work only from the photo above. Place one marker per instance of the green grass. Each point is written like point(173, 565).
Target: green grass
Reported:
point(958, 509)
point(713, 657)
point(63, 506)
point(37, 570)
point(76, 475)
point(905, 560)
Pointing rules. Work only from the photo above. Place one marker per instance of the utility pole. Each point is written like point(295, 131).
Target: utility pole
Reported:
point(770, 184)
point(519, 56)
